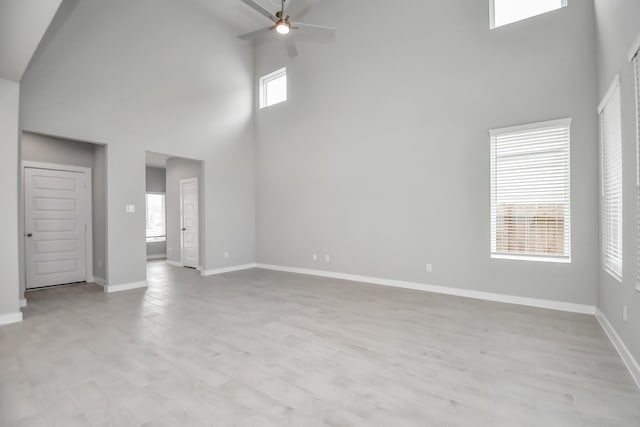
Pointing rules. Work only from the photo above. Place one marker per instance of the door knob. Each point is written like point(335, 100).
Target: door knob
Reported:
point(29, 234)
point(184, 229)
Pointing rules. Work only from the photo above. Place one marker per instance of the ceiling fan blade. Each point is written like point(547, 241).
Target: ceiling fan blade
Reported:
point(317, 29)
point(261, 10)
point(255, 34)
point(292, 50)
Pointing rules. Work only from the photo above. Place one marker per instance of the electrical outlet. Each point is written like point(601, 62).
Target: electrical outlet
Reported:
point(625, 313)
point(315, 257)
point(327, 258)
point(226, 255)
point(429, 268)
point(130, 208)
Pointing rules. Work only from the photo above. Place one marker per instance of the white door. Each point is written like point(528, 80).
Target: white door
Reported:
point(55, 226)
point(189, 222)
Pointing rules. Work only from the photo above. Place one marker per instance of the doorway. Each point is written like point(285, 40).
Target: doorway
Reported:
point(58, 228)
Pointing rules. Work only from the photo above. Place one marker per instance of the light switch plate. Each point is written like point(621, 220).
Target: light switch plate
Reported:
point(131, 208)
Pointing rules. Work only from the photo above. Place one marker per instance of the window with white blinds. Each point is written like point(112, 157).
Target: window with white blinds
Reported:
point(611, 146)
point(530, 192)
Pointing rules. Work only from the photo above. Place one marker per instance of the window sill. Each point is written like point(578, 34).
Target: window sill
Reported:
point(531, 258)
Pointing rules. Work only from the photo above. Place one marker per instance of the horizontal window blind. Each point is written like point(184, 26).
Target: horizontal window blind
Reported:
point(611, 140)
point(530, 191)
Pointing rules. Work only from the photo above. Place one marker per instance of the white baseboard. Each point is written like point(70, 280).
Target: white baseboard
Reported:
point(467, 293)
point(623, 351)
point(159, 256)
point(175, 263)
point(125, 286)
point(228, 269)
point(6, 319)
point(23, 302)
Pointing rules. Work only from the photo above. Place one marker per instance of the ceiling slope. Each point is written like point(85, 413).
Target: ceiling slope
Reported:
point(22, 25)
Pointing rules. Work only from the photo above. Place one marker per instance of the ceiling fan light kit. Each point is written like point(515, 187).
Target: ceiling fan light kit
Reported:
point(282, 24)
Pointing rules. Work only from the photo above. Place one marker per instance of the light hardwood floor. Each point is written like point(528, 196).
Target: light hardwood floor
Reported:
point(260, 348)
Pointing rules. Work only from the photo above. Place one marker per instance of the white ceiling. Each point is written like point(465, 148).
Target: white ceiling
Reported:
point(241, 18)
point(22, 25)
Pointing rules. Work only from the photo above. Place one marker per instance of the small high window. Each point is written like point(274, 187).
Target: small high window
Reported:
point(505, 12)
point(273, 88)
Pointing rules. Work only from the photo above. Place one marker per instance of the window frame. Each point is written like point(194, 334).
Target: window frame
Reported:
point(157, 239)
point(634, 58)
point(492, 14)
point(614, 92)
point(263, 83)
point(494, 133)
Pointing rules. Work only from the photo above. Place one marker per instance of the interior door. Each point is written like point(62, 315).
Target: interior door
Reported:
point(55, 227)
point(189, 222)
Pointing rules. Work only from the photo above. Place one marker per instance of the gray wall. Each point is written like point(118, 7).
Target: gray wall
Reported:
point(380, 158)
point(152, 75)
point(156, 182)
point(178, 169)
point(618, 25)
point(48, 149)
point(100, 261)
point(9, 284)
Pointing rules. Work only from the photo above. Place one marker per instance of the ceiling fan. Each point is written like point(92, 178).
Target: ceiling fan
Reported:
point(283, 25)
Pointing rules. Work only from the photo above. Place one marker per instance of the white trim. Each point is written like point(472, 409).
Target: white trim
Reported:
point(6, 319)
point(228, 269)
point(175, 263)
point(125, 286)
point(559, 260)
point(466, 293)
point(100, 281)
point(88, 237)
point(565, 122)
point(159, 256)
point(23, 302)
point(621, 348)
point(635, 49)
point(615, 84)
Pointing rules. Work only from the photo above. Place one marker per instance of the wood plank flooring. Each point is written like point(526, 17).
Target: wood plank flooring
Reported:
point(260, 348)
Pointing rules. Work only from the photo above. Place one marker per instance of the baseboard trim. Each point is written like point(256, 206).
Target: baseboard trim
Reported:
point(100, 281)
point(7, 319)
point(619, 345)
point(125, 286)
point(466, 293)
point(23, 302)
point(174, 263)
point(159, 256)
point(228, 269)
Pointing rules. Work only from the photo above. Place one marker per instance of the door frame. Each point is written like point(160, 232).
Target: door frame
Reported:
point(88, 236)
point(183, 180)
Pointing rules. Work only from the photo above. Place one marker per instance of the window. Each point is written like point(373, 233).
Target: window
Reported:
point(530, 192)
point(611, 146)
point(156, 223)
point(505, 12)
point(273, 88)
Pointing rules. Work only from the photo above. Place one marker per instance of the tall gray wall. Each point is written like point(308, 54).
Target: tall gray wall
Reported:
point(9, 125)
point(156, 182)
point(152, 75)
point(178, 169)
point(618, 24)
point(100, 260)
point(380, 158)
